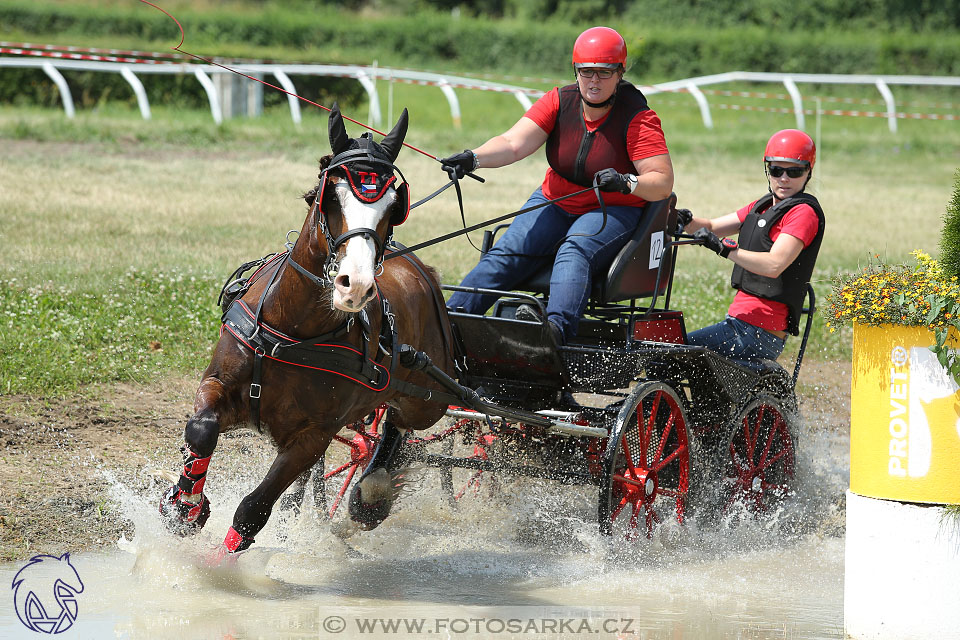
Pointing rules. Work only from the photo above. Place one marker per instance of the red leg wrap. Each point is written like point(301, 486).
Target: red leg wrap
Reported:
point(235, 542)
point(194, 473)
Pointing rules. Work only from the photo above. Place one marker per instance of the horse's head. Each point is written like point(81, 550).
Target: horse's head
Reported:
point(359, 203)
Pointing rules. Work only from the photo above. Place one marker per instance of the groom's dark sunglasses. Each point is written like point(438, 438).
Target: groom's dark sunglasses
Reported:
point(792, 172)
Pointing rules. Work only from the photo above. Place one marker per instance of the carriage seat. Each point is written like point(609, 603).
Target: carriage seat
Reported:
point(634, 270)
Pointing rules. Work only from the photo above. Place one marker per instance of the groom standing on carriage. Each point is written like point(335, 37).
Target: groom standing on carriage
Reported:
point(599, 131)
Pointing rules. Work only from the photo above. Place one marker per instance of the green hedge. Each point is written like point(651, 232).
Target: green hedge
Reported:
point(950, 239)
point(440, 42)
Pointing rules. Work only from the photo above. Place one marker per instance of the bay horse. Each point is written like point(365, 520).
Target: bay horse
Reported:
point(312, 345)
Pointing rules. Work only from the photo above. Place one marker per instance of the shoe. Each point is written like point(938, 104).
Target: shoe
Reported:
point(527, 313)
point(567, 400)
point(557, 334)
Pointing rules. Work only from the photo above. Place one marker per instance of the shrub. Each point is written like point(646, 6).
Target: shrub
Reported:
point(950, 238)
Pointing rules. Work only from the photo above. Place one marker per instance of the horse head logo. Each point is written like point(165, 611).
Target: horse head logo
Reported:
point(45, 594)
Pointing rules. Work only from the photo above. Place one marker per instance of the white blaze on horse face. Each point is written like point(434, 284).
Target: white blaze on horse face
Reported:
point(353, 286)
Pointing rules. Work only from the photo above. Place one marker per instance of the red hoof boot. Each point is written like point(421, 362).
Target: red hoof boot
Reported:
point(182, 517)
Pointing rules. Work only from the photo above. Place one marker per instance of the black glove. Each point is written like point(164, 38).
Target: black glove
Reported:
point(710, 240)
point(459, 164)
point(610, 180)
point(684, 217)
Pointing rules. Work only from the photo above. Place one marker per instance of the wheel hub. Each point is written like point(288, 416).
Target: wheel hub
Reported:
point(360, 450)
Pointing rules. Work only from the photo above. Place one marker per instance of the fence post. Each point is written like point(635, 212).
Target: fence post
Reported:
point(291, 90)
point(211, 90)
point(371, 87)
point(791, 87)
point(704, 105)
point(891, 105)
point(137, 86)
point(454, 103)
point(65, 96)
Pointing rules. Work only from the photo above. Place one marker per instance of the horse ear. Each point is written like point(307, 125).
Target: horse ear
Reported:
point(393, 142)
point(339, 141)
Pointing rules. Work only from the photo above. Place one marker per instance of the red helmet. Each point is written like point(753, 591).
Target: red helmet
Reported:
point(791, 145)
point(599, 47)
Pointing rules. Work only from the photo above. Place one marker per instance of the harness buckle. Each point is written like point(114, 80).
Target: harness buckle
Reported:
point(255, 390)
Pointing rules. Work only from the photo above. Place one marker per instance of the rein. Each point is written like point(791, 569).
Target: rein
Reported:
point(480, 225)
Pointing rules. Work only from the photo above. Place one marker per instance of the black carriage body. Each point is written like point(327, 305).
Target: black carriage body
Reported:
point(664, 407)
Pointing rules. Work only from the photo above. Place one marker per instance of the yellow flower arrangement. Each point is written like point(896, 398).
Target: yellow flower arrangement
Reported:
point(880, 294)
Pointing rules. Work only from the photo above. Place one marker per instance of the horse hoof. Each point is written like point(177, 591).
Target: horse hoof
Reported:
point(371, 500)
point(182, 517)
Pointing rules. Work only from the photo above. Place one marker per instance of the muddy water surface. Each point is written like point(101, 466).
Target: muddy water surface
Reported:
point(523, 560)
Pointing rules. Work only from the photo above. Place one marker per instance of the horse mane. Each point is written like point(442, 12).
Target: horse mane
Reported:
point(311, 196)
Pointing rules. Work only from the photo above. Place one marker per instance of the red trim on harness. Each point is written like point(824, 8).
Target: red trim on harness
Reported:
point(307, 366)
point(266, 264)
point(283, 336)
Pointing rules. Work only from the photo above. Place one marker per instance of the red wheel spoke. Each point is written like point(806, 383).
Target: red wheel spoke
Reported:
point(742, 463)
point(343, 440)
point(343, 490)
point(619, 508)
point(769, 463)
point(648, 428)
point(766, 448)
point(669, 493)
point(627, 454)
point(337, 471)
point(679, 450)
point(627, 480)
point(749, 440)
point(663, 438)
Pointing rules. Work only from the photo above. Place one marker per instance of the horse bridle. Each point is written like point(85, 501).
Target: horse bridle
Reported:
point(331, 265)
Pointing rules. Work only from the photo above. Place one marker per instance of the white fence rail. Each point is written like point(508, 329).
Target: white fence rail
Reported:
point(219, 92)
point(282, 72)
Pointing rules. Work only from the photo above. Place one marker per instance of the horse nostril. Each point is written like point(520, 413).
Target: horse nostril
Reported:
point(368, 293)
point(342, 281)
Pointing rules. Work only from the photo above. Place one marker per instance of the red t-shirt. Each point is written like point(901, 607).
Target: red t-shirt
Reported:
point(802, 223)
point(644, 140)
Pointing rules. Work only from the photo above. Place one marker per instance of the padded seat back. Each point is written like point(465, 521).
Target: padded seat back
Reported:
point(633, 272)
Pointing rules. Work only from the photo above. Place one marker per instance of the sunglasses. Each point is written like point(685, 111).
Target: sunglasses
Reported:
point(603, 74)
point(792, 172)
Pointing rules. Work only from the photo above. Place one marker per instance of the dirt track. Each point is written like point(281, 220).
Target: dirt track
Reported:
point(56, 455)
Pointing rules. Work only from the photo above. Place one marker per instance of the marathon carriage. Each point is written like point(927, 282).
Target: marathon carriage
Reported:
point(663, 420)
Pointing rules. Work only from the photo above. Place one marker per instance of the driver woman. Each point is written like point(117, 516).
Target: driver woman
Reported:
point(780, 236)
point(601, 127)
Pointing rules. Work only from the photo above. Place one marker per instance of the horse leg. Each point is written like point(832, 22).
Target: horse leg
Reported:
point(255, 509)
point(293, 499)
point(184, 506)
point(373, 495)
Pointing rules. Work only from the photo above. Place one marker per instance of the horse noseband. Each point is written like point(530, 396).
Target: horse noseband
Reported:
point(332, 265)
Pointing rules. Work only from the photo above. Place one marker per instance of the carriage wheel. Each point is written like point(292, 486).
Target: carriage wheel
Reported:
point(335, 473)
point(646, 471)
point(760, 459)
point(458, 482)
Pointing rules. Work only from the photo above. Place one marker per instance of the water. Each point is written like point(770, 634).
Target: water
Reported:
point(524, 562)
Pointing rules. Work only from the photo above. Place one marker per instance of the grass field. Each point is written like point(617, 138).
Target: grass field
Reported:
point(117, 233)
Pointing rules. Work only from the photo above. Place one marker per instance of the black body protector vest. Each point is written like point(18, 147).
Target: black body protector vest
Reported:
point(791, 286)
point(577, 154)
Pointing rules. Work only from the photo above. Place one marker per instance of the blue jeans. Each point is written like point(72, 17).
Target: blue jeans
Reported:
point(740, 341)
point(547, 235)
